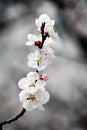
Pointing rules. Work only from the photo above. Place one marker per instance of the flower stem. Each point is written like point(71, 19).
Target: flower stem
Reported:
point(12, 119)
point(43, 39)
point(43, 36)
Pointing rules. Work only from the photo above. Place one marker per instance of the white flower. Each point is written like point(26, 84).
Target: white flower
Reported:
point(34, 100)
point(44, 18)
point(52, 33)
point(33, 40)
point(49, 48)
point(38, 60)
point(31, 82)
point(48, 26)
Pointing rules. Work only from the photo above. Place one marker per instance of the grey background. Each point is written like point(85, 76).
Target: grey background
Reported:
point(67, 108)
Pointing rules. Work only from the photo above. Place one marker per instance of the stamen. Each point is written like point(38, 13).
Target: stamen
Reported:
point(31, 97)
point(52, 47)
point(38, 62)
point(39, 59)
point(32, 85)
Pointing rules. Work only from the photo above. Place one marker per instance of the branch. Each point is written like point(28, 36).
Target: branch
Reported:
point(12, 119)
point(43, 36)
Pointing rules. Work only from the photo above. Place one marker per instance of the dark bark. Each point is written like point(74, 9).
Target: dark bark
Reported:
point(12, 119)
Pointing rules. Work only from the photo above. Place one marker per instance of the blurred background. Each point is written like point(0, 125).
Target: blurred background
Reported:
point(67, 108)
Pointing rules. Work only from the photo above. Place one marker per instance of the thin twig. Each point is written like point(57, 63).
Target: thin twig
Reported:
point(43, 36)
point(12, 119)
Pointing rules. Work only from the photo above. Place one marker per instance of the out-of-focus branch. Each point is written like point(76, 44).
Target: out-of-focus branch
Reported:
point(74, 17)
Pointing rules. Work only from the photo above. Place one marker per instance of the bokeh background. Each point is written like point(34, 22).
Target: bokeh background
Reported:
point(67, 108)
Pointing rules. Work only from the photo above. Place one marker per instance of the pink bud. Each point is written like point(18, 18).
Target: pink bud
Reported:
point(44, 77)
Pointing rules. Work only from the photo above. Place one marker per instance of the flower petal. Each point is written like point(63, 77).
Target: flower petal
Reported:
point(41, 108)
point(29, 43)
point(28, 105)
point(36, 104)
point(37, 22)
point(52, 33)
point(43, 65)
point(44, 18)
point(32, 76)
point(46, 97)
point(32, 60)
point(52, 22)
point(32, 37)
point(40, 84)
point(32, 56)
point(23, 83)
point(32, 64)
point(43, 96)
point(23, 95)
point(32, 89)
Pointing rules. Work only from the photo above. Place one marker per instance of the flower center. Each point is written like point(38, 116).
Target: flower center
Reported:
point(32, 85)
point(31, 97)
point(39, 59)
point(52, 47)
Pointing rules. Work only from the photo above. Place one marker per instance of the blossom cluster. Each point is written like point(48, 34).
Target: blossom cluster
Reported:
point(34, 93)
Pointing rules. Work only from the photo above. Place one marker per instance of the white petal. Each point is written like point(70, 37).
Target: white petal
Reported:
point(23, 83)
point(23, 95)
point(49, 48)
point(31, 56)
point(49, 51)
point(32, 37)
point(52, 33)
point(40, 84)
point(42, 108)
point(38, 53)
point(43, 96)
point(44, 18)
point(29, 43)
point(43, 65)
point(46, 97)
point(28, 105)
point(32, 90)
point(33, 76)
point(37, 22)
point(36, 103)
point(52, 22)
point(32, 60)
point(32, 64)
point(48, 41)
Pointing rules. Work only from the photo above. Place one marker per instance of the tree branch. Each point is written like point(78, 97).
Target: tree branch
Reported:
point(12, 119)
